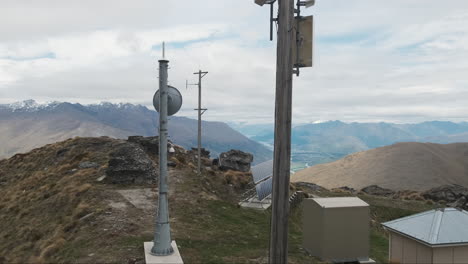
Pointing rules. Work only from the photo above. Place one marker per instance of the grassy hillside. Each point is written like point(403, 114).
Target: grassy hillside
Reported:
point(329, 141)
point(52, 210)
point(409, 165)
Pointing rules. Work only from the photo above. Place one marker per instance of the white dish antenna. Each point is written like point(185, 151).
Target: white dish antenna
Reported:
point(174, 100)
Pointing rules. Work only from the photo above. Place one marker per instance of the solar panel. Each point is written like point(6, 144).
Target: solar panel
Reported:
point(262, 171)
point(264, 188)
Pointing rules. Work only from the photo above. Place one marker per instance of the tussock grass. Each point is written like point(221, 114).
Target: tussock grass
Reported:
point(237, 178)
point(51, 211)
point(43, 197)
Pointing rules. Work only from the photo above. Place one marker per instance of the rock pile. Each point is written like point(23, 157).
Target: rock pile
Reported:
point(88, 165)
point(204, 152)
point(377, 190)
point(149, 144)
point(345, 189)
point(454, 195)
point(129, 163)
point(235, 160)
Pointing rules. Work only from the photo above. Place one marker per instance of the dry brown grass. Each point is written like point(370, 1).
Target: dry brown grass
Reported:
point(237, 178)
point(410, 195)
point(409, 165)
point(53, 212)
point(44, 196)
point(52, 248)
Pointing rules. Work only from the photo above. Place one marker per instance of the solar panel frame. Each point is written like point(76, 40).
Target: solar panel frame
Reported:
point(264, 188)
point(262, 171)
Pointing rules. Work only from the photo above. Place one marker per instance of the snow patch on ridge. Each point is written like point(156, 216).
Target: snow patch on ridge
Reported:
point(33, 106)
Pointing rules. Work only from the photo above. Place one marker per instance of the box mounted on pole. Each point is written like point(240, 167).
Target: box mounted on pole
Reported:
point(294, 50)
point(304, 37)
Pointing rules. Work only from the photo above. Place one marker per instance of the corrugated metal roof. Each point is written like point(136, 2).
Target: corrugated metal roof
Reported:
point(435, 227)
point(335, 202)
point(262, 171)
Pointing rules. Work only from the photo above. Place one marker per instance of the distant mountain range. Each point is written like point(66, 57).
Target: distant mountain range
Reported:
point(27, 125)
point(402, 166)
point(329, 141)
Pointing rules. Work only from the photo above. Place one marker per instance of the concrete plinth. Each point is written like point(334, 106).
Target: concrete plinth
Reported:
point(254, 203)
point(366, 261)
point(174, 258)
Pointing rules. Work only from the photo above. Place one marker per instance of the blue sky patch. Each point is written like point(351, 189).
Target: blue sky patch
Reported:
point(48, 55)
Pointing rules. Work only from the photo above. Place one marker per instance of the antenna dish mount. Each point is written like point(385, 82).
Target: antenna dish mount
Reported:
point(174, 100)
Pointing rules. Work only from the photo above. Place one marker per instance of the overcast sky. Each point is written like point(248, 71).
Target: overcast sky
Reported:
point(374, 60)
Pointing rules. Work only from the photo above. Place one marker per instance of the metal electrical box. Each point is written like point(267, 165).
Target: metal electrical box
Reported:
point(302, 42)
point(336, 229)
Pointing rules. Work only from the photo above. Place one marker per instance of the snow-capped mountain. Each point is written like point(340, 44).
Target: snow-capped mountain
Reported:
point(28, 106)
point(28, 124)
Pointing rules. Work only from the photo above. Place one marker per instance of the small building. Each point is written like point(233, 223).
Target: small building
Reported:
point(336, 229)
point(436, 236)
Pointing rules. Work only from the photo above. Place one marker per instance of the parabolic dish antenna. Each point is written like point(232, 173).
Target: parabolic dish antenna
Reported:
point(174, 100)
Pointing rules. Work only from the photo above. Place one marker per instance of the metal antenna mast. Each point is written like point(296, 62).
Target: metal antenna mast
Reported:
point(201, 111)
point(162, 236)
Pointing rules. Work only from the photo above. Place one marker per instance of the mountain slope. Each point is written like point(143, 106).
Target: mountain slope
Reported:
point(328, 141)
point(402, 166)
point(54, 210)
point(27, 125)
point(340, 137)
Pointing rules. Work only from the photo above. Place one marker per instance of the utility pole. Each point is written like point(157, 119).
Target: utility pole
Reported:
point(282, 148)
point(162, 235)
point(293, 34)
point(201, 111)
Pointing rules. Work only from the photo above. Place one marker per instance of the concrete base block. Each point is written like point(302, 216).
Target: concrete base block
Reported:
point(254, 203)
point(367, 261)
point(174, 258)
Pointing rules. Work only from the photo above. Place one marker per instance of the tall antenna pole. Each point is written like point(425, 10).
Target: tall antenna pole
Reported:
point(200, 110)
point(282, 148)
point(162, 235)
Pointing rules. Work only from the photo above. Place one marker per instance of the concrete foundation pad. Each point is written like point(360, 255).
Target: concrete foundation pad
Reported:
point(174, 258)
point(367, 261)
point(254, 203)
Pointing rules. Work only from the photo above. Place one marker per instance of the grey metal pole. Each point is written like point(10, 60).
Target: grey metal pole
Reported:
point(282, 148)
point(162, 235)
point(199, 121)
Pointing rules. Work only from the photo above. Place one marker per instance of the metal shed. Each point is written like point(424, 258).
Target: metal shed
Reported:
point(336, 229)
point(436, 236)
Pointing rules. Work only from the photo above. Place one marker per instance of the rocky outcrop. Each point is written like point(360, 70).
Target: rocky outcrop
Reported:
point(462, 203)
point(149, 144)
point(88, 165)
point(454, 195)
point(377, 190)
point(129, 163)
point(235, 160)
point(345, 189)
point(204, 152)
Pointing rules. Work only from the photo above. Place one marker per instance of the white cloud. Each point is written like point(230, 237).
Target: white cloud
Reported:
point(398, 61)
